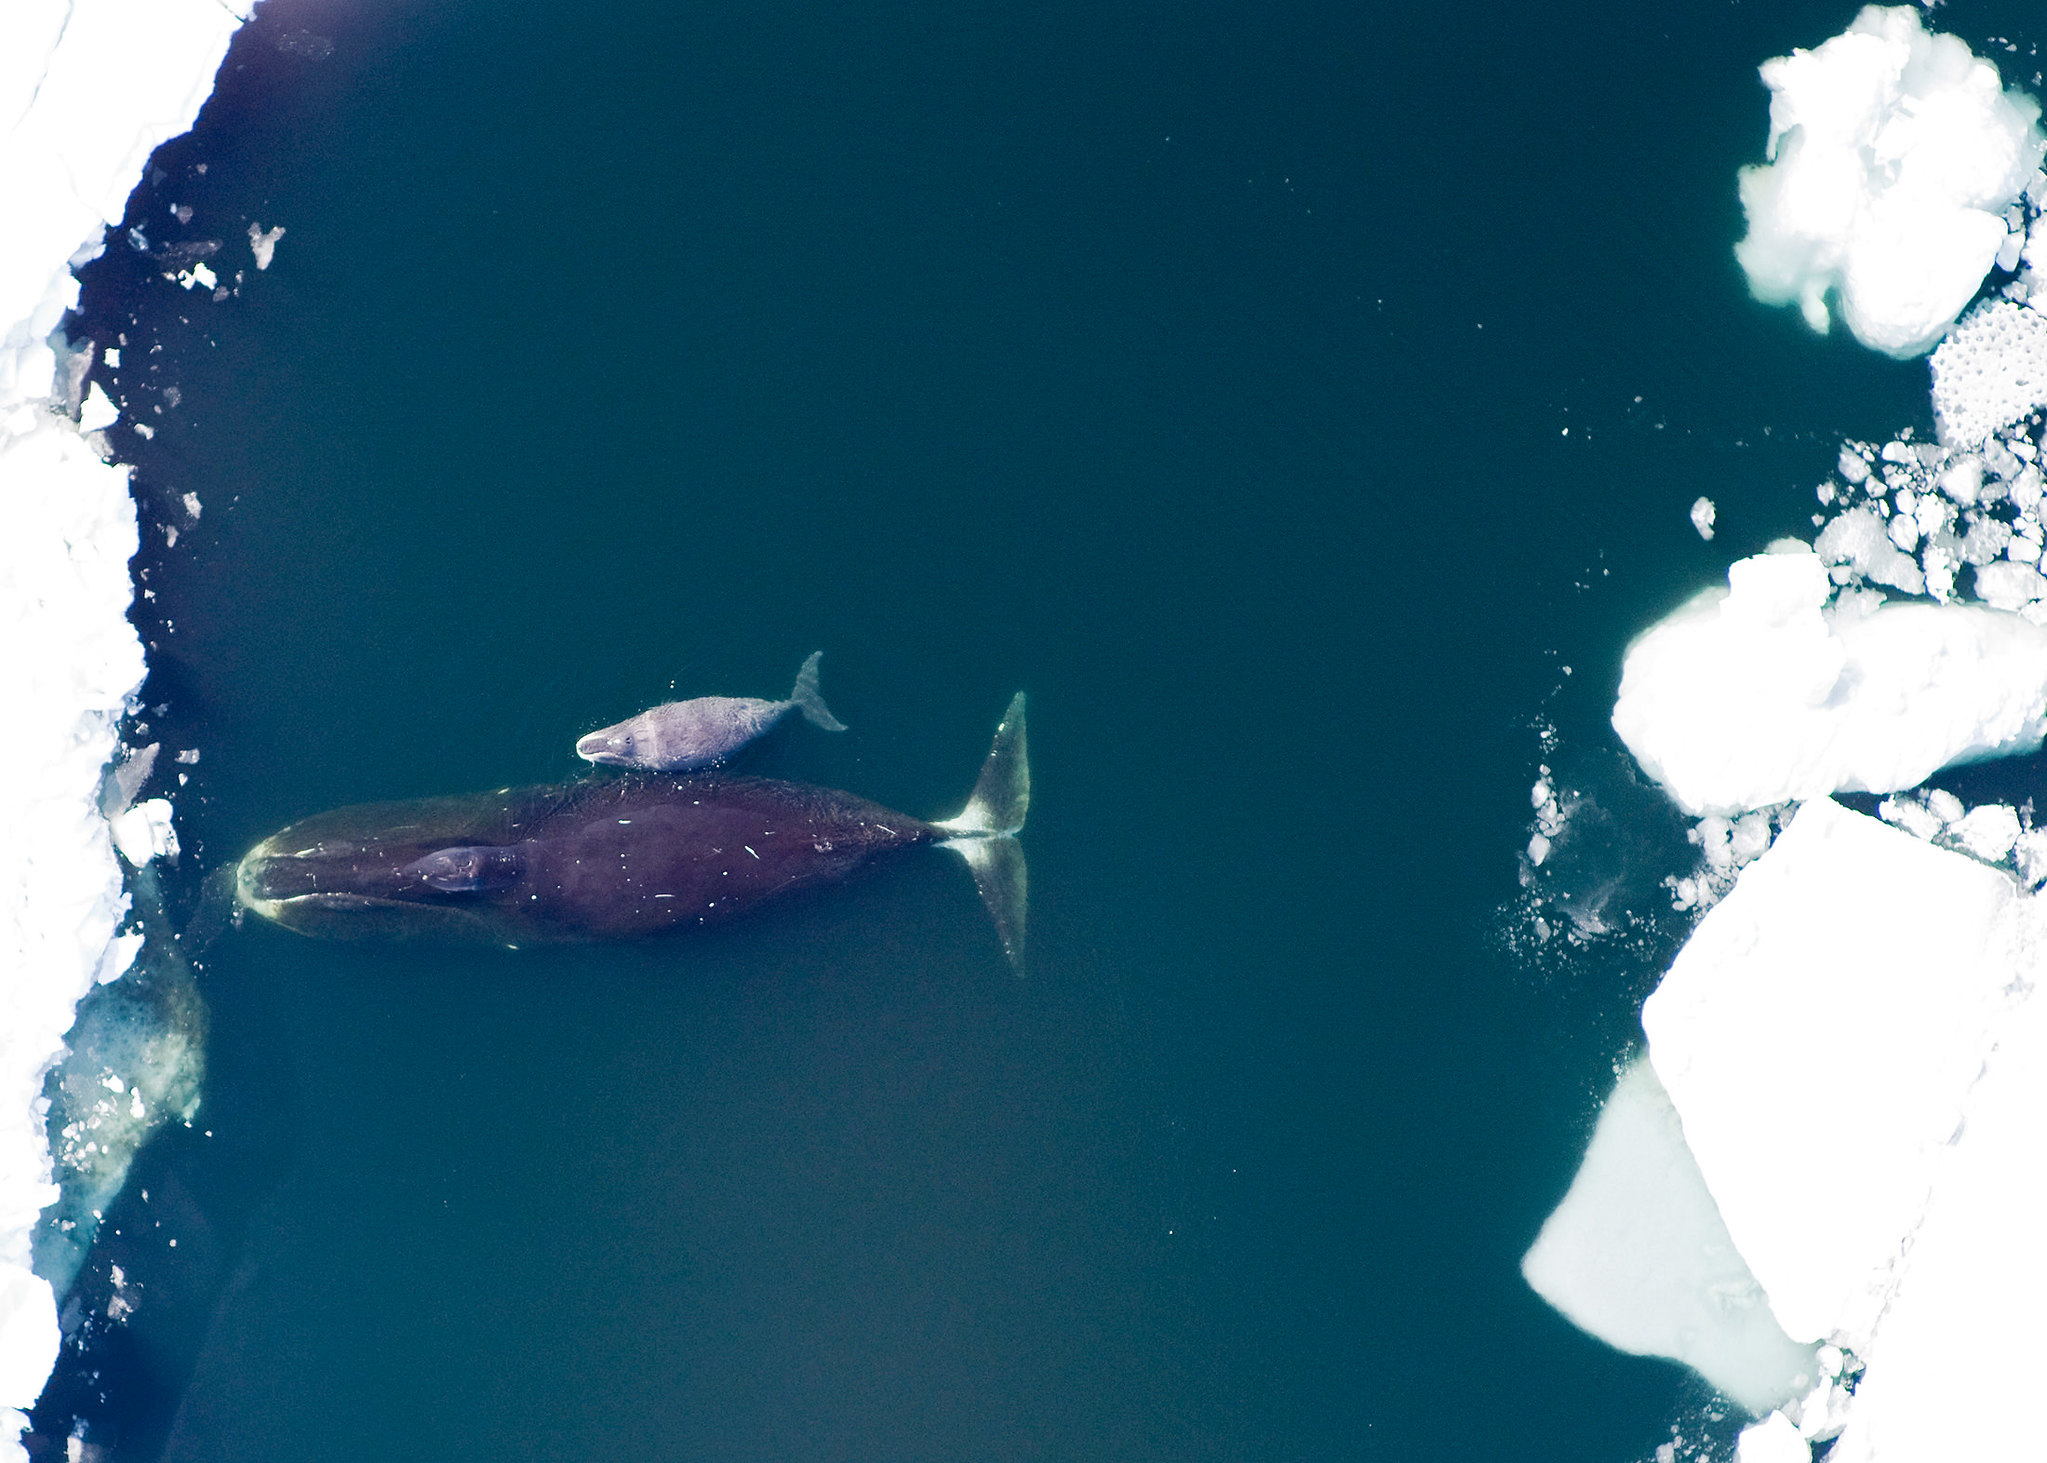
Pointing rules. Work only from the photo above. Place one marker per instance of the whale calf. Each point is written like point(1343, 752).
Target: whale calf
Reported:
point(613, 858)
point(683, 736)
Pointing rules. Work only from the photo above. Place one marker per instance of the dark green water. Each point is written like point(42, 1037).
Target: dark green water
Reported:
point(1282, 397)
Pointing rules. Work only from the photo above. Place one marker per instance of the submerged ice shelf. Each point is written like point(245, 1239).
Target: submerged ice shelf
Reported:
point(88, 89)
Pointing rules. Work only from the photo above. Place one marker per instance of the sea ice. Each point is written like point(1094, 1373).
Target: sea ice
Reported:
point(144, 832)
point(1954, 1371)
point(88, 89)
point(1773, 1440)
point(1750, 696)
point(1893, 154)
point(263, 243)
point(99, 411)
point(1637, 1255)
point(1819, 1035)
point(1991, 371)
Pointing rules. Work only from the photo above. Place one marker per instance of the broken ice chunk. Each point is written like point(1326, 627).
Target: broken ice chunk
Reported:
point(1859, 540)
point(1989, 832)
point(1855, 972)
point(263, 243)
point(2008, 585)
point(98, 412)
point(144, 832)
point(1773, 1440)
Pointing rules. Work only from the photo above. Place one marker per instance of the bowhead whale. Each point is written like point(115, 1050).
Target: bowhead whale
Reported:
point(611, 858)
point(685, 736)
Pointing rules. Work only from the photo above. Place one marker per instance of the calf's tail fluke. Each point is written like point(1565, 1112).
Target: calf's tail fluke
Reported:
point(984, 833)
point(809, 700)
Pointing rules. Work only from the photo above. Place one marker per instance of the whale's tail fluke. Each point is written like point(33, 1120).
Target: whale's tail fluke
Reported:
point(809, 700)
point(984, 833)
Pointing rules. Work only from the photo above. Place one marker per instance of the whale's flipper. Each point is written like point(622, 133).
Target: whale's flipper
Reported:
point(809, 700)
point(984, 833)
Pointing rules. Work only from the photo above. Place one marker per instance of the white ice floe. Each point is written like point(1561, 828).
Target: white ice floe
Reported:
point(1819, 1036)
point(1990, 372)
point(263, 243)
point(1893, 154)
point(1758, 694)
point(1638, 1256)
point(98, 411)
point(1854, 1038)
point(1955, 1368)
point(88, 89)
point(1703, 514)
point(1773, 1440)
point(144, 832)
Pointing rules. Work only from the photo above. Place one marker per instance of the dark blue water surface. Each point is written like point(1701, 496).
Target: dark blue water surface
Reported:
point(1282, 395)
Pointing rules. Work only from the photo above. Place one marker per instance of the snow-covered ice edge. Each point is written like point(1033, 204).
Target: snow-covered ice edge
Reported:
point(88, 90)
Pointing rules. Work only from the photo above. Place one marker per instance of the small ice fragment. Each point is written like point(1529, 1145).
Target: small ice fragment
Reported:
point(144, 430)
point(1986, 540)
point(1538, 850)
point(113, 356)
point(192, 505)
point(1989, 832)
point(1749, 837)
point(1714, 836)
point(1773, 1440)
point(98, 412)
point(189, 756)
point(1852, 466)
point(144, 832)
point(2008, 252)
point(121, 953)
point(263, 243)
point(1859, 540)
point(1909, 815)
point(2030, 853)
point(1944, 805)
point(1702, 517)
point(204, 275)
point(2009, 586)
